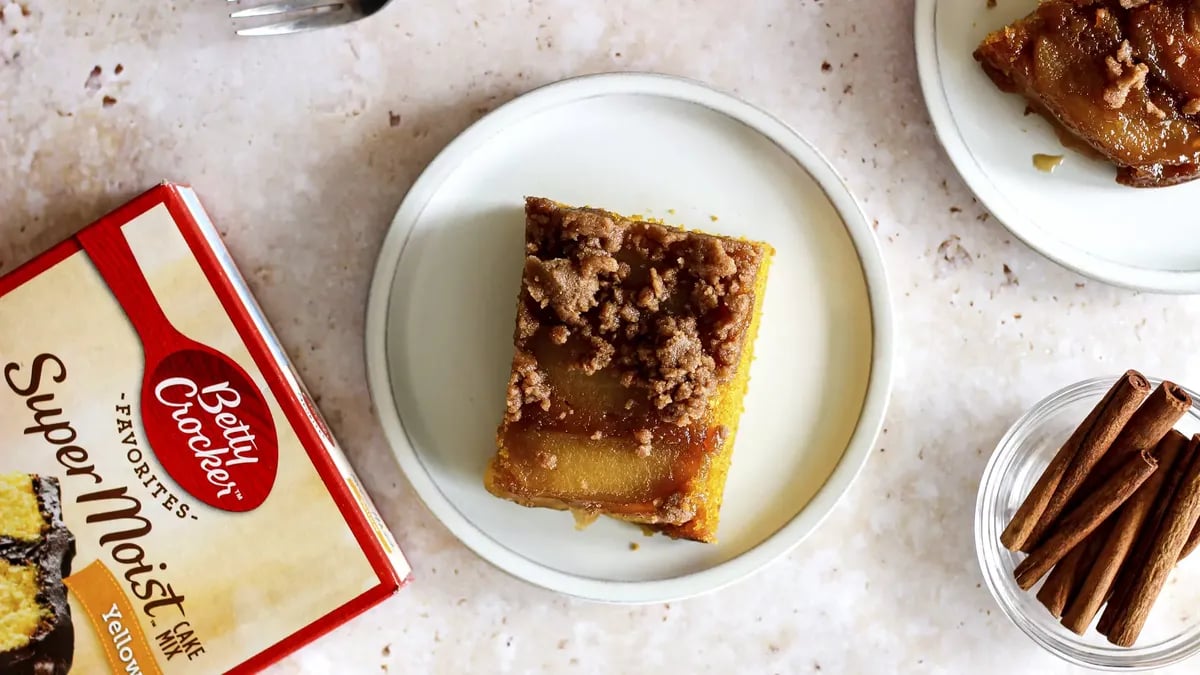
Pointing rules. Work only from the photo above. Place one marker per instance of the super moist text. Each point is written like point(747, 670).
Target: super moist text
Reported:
point(114, 507)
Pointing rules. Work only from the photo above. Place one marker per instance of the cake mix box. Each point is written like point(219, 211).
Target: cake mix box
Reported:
point(170, 499)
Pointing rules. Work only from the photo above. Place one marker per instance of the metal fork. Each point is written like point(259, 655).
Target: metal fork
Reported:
point(294, 16)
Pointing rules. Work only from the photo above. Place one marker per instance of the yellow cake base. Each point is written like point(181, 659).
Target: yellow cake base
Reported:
point(20, 613)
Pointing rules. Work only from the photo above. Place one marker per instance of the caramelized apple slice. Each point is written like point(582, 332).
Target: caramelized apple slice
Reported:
point(1113, 77)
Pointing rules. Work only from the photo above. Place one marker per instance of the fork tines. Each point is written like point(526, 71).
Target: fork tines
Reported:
point(277, 18)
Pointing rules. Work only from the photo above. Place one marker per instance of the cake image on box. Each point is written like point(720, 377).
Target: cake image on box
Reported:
point(36, 634)
point(146, 405)
point(633, 345)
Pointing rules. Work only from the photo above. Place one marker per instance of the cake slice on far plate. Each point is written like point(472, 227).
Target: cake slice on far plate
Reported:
point(1119, 76)
point(633, 345)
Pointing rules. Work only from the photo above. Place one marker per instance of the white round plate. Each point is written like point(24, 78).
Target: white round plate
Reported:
point(1078, 216)
point(443, 306)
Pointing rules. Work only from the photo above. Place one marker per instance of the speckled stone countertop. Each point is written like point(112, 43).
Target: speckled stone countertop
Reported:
point(302, 149)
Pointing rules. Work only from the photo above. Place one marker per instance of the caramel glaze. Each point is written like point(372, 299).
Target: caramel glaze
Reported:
point(583, 406)
point(691, 447)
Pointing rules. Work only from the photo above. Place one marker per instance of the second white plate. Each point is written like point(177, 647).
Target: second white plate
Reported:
point(440, 322)
point(1078, 216)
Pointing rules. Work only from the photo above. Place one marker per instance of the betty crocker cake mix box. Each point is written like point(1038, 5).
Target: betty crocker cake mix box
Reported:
point(170, 499)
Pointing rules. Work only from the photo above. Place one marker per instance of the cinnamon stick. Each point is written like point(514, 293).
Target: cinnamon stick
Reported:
point(1168, 543)
point(1016, 535)
point(1091, 440)
point(1165, 406)
point(1067, 576)
point(1130, 520)
point(1082, 521)
point(1136, 561)
point(1151, 422)
point(1192, 544)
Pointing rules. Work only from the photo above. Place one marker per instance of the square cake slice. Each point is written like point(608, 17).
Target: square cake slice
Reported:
point(633, 347)
point(1117, 76)
point(36, 549)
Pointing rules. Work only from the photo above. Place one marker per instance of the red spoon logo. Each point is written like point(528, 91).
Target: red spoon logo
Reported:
point(206, 421)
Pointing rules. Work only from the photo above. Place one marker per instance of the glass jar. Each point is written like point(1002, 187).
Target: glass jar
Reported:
point(1172, 632)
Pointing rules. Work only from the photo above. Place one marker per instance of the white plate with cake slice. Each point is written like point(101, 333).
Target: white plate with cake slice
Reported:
point(1077, 215)
point(440, 324)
